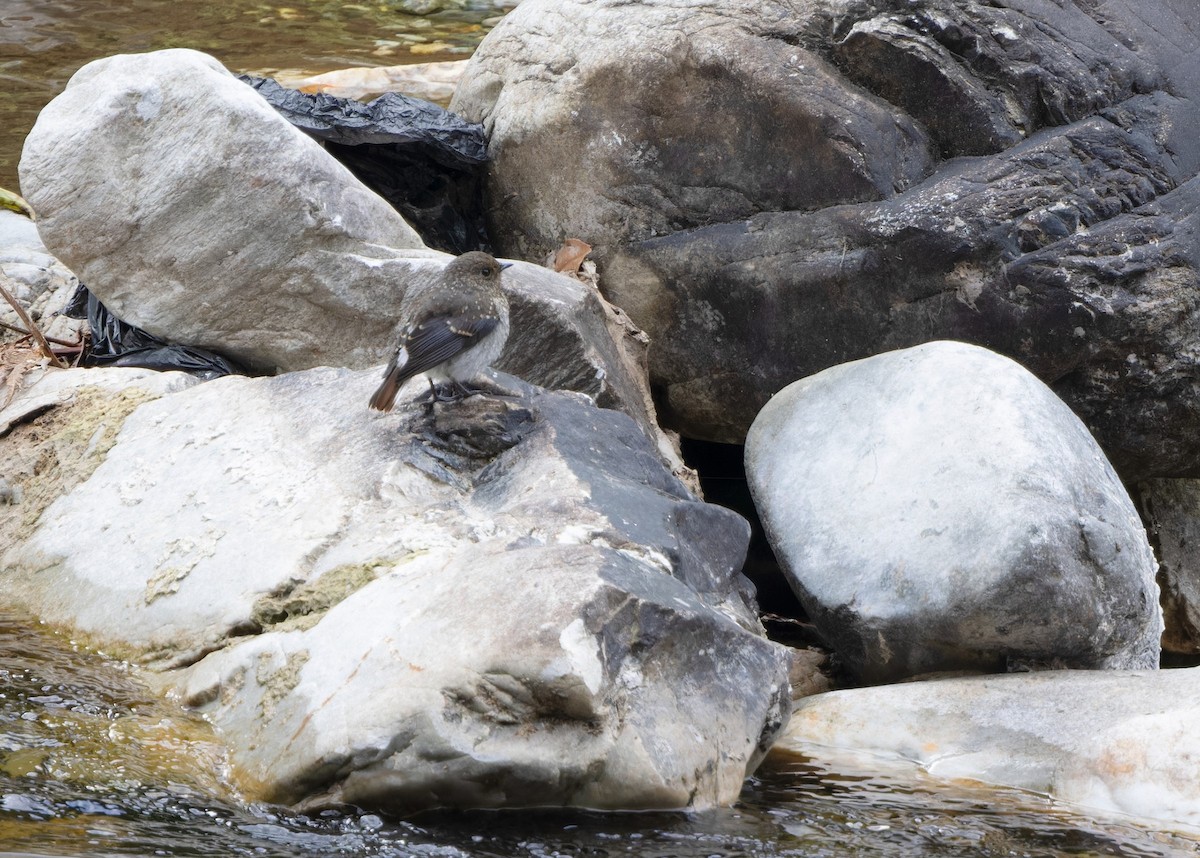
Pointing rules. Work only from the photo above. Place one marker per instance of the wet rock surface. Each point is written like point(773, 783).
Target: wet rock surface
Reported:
point(1113, 742)
point(505, 601)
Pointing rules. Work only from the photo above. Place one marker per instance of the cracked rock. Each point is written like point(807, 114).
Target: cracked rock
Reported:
point(775, 188)
point(1171, 509)
point(503, 602)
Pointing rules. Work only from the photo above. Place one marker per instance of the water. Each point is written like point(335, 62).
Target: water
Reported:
point(43, 43)
point(92, 762)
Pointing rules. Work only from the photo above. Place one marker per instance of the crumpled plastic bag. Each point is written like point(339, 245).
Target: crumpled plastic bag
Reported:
point(424, 160)
point(118, 343)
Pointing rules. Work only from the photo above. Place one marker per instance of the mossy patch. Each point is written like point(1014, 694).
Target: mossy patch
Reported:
point(278, 682)
point(301, 607)
point(50, 455)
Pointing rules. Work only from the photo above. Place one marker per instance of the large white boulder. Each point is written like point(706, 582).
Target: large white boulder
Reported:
point(940, 508)
point(194, 211)
point(494, 603)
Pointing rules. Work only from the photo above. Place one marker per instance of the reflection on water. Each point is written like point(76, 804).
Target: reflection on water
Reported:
point(43, 43)
point(91, 762)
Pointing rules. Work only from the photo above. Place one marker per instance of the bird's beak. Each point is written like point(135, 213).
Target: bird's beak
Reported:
point(504, 265)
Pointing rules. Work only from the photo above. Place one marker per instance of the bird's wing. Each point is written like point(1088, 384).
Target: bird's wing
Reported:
point(398, 361)
point(440, 338)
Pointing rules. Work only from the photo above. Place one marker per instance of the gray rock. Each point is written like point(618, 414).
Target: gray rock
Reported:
point(499, 603)
point(776, 188)
point(192, 210)
point(649, 93)
point(58, 429)
point(834, 285)
point(566, 336)
point(1171, 510)
point(46, 388)
point(1115, 742)
point(939, 508)
point(36, 279)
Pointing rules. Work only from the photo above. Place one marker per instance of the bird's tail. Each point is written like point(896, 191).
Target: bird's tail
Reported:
point(385, 396)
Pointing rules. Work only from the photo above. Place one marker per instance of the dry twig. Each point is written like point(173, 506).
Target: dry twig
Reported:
point(32, 329)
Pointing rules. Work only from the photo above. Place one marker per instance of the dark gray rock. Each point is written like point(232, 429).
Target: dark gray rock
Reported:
point(658, 99)
point(1088, 277)
point(1171, 509)
point(1039, 197)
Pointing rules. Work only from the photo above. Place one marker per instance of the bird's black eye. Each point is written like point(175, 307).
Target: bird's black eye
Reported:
point(486, 271)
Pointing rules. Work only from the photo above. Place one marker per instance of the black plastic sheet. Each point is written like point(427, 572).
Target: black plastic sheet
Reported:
point(424, 160)
point(118, 343)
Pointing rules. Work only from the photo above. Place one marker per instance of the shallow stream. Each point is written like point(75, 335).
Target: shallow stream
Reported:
point(93, 763)
point(44, 42)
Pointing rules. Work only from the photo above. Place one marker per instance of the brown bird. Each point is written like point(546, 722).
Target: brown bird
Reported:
point(452, 328)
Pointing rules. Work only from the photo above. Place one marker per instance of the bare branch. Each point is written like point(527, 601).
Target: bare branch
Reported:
point(33, 330)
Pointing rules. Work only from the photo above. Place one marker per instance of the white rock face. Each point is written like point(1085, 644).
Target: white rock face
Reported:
point(46, 388)
point(196, 212)
point(940, 508)
point(494, 603)
point(1113, 741)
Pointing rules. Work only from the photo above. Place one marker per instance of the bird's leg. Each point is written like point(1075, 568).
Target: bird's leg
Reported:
point(428, 395)
point(452, 392)
point(455, 390)
point(437, 393)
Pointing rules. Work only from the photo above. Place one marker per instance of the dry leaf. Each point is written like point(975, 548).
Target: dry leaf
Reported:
point(568, 258)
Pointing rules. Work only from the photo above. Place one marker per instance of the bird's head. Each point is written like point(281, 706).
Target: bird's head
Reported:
point(477, 265)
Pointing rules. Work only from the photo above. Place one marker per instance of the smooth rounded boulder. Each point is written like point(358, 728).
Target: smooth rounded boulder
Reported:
point(196, 212)
point(939, 508)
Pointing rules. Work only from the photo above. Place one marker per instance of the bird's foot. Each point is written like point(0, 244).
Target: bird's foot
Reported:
point(488, 388)
point(457, 391)
point(451, 392)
